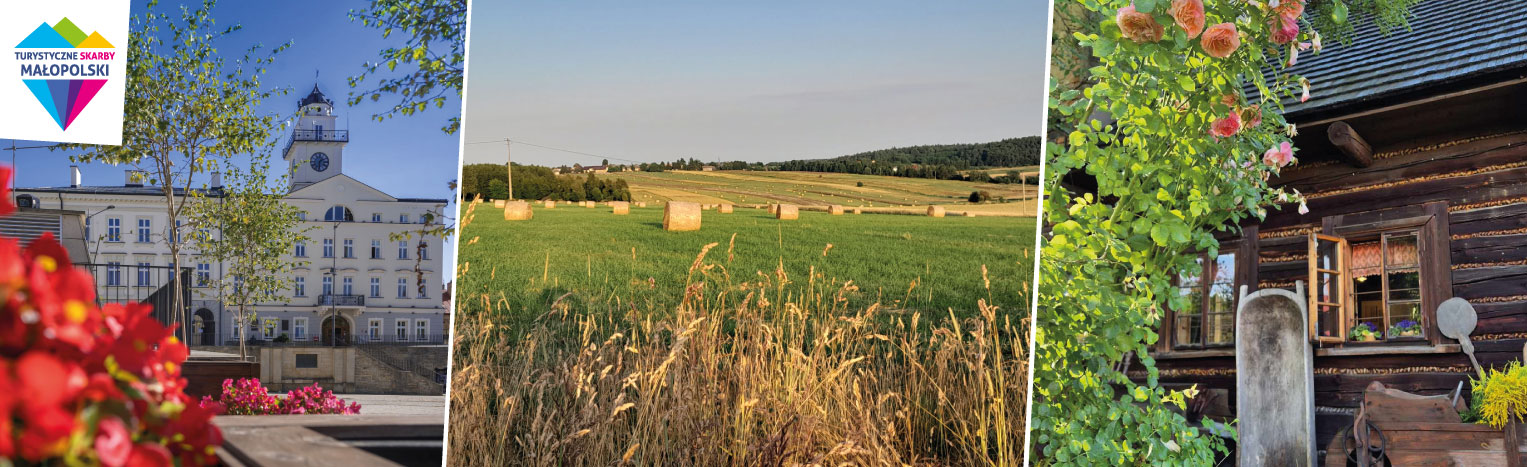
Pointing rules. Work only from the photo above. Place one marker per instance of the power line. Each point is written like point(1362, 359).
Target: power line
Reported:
point(581, 153)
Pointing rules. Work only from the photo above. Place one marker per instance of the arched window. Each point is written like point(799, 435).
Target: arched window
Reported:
point(339, 213)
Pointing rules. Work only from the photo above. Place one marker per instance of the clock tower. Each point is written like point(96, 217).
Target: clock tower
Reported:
point(317, 147)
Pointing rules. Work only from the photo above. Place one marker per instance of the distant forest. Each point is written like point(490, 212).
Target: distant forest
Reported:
point(535, 182)
point(939, 161)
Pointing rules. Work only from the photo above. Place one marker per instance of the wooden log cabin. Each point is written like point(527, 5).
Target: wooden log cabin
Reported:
point(1413, 157)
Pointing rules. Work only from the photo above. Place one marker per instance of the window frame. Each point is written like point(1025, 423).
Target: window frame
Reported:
point(1205, 285)
point(1430, 221)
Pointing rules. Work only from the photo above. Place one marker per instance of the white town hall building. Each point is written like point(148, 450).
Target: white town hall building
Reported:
point(349, 268)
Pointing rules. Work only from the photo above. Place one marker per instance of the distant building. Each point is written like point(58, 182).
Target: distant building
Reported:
point(708, 168)
point(598, 169)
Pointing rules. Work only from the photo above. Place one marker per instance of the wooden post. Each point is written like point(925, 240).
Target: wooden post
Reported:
point(1513, 443)
point(509, 165)
point(1350, 143)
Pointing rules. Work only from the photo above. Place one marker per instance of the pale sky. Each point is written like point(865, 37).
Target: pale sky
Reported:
point(756, 81)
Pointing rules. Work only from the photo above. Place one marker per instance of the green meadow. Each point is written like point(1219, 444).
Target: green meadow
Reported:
point(589, 258)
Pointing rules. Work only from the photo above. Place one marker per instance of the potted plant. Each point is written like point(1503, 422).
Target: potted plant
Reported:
point(282, 339)
point(1405, 328)
point(1363, 332)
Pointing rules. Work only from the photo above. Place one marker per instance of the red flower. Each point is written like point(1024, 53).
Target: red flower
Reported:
point(6, 206)
point(112, 442)
point(1137, 26)
point(1189, 15)
point(1220, 40)
point(1226, 127)
point(149, 455)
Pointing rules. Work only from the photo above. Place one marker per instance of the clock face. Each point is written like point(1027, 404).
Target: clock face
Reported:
point(320, 161)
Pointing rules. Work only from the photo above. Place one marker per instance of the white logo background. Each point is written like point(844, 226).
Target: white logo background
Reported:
point(21, 116)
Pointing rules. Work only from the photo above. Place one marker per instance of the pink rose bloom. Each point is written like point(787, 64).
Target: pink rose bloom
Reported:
point(1226, 127)
point(1189, 15)
point(1289, 8)
point(1220, 40)
point(1284, 29)
point(1279, 156)
point(1137, 26)
point(112, 443)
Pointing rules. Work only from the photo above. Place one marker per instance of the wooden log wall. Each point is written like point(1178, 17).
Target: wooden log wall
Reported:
point(1482, 178)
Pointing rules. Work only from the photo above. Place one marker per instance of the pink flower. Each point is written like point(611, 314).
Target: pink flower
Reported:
point(1251, 116)
point(1304, 84)
point(1279, 156)
point(1220, 40)
point(1288, 8)
point(1226, 127)
point(1284, 29)
point(1137, 26)
point(1189, 15)
point(112, 443)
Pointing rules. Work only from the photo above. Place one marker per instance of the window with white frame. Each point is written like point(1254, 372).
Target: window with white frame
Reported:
point(328, 248)
point(421, 330)
point(403, 249)
point(400, 328)
point(302, 215)
point(376, 287)
point(374, 329)
point(402, 287)
point(113, 229)
point(423, 250)
point(338, 214)
point(349, 286)
point(144, 279)
point(376, 217)
point(376, 249)
point(113, 273)
point(268, 328)
point(145, 228)
point(300, 329)
point(299, 286)
point(424, 289)
point(349, 248)
point(203, 274)
point(403, 218)
point(301, 250)
point(328, 285)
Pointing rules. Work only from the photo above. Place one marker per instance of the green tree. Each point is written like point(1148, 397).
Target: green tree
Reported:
point(251, 230)
point(187, 107)
point(498, 189)
point(435, 50)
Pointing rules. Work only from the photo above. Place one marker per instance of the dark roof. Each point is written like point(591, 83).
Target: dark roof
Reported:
point(423, 200)
point(1450, 43)
point(116, 190)
point(315, 97)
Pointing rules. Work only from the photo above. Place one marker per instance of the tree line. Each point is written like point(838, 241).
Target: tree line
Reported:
point(535, 182)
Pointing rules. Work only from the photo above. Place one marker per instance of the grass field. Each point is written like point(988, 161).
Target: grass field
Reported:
point(585, 338)
point(904, 262)
point(814, 189)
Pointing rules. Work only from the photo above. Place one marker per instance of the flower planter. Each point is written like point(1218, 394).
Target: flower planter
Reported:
point(204, 377)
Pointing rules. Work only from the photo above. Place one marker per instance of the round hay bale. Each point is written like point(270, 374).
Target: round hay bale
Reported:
point(549, 204)
point(517, 211)
point(620, 208)
point(498, 203)
point(681, 216)
point(856, 210)
point(724, 209)
point(787, 212)
point(773, 208)
point(935, 211)
point(835, 210)
point(970, 214)
point(590, 204)
point(641, 204)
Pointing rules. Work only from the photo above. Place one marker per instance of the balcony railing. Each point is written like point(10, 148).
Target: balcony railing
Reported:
point(257, 339)
point(341, 300)
point(337, 136)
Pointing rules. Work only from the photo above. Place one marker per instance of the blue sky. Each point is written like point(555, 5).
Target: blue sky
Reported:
point(756, 81)
point(407, 157)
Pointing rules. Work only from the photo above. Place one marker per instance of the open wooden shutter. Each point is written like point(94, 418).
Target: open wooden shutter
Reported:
point(1328, 294)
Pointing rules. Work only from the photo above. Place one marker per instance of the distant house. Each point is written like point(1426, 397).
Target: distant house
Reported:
point(708, 168)
point(556, 171)
point(598, 169)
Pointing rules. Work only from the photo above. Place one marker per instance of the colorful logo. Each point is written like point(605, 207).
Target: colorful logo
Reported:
point(64, 80)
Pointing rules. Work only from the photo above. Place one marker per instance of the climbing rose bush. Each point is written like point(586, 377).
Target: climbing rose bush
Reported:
point(1172, 148)
point(246, 396)
point(87, 385)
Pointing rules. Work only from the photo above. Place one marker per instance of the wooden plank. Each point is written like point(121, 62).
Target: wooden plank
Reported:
point(1504, 217)
point(1489, 249)
point(1351, 144)
point(1495, 281)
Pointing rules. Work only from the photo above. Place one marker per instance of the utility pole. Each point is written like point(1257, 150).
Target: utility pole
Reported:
point(509, 166)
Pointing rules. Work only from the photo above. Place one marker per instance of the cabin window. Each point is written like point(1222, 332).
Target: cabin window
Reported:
point(1207, 318)
point(1366, 288)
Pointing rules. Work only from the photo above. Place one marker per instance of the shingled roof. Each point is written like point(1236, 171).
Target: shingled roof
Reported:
point(1450, 44)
